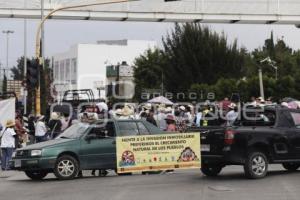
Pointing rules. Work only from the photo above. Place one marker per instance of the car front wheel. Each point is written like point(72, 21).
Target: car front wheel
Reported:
point(36, 175)
point(256, 165)
point(211, 170)
point(291, 166)
point(66, 167)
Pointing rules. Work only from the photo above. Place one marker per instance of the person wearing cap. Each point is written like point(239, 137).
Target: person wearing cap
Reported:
point(40, 130)
point(7, 143)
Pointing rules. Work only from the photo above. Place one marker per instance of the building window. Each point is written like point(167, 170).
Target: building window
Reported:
point(62, 71)
point(68, 71)
point(56, 71)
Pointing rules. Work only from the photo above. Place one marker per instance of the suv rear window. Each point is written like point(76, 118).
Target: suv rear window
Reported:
point(266, 118)
point(296, 119)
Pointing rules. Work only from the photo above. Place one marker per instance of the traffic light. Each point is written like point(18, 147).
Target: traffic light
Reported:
point(32, 73)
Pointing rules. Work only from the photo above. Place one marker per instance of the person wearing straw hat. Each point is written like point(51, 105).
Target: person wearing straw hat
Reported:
point(127, 112)
point(171, 126)
point(7, 143)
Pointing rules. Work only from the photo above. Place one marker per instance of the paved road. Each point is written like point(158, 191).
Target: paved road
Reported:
point(181, 185)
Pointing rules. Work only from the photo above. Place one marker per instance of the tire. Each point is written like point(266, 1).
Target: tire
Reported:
point(66, 167)
point(256, 165)
point(36, 175)
point(291, 166)
point(210, 170)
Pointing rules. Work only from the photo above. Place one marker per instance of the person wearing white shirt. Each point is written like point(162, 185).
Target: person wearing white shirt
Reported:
point(7, 144)
point(231, 115)
point(198, 117)
point(40, 130)
point(160, 119)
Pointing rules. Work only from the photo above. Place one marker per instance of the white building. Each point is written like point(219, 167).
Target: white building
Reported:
point(84, 65)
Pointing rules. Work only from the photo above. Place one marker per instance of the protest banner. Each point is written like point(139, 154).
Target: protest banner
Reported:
point(158, 152)
point(7, 110)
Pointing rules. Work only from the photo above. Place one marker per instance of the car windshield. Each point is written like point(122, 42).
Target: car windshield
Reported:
point(74, 131)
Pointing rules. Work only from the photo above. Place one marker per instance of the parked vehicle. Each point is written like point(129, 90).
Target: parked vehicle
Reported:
point(257, 139)
point(72, 99)
point(83, 146)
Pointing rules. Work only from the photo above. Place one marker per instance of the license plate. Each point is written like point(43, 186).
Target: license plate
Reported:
point(17, 163)
point(205, 147)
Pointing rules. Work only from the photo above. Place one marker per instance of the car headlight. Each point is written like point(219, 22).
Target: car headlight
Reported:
point(36, 152)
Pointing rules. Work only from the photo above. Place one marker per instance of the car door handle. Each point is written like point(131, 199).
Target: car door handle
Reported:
point(113, 142)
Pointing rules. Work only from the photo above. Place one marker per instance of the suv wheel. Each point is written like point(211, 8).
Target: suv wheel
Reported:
point(256, 165)
point(211, 170)
point(291, 166)
point(66, 167)
point(36, 175)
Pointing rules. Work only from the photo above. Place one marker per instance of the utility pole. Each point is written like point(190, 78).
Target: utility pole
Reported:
point(261, 86)
point(42, 32)
point(25, 61)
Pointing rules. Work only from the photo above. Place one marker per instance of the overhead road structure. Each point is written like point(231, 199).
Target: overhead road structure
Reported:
point(205, 11)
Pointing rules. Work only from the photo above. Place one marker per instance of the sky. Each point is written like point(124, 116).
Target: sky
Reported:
point(61, 35)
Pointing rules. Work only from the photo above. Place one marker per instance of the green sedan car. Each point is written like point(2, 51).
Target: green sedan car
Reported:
point(83, 146)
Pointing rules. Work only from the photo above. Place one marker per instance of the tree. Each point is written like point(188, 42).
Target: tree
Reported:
point(45, 82)
point(4, 84)
point(18, 71)
point(196, 59)
point(195, 54)
point(148, 73)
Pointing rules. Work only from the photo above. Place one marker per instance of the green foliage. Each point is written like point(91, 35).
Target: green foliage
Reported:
point(194, 54)
point(4, 84)
point(45, 81)
point(18, 71)
point(149, 72)
point(195, 59)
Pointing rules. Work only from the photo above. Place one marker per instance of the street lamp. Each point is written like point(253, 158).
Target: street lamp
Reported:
point(272, 64)
point(7, 32)
point(38, 39)
point(261, 85)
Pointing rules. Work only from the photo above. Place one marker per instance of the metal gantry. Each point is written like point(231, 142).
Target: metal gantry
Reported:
point(206, 11)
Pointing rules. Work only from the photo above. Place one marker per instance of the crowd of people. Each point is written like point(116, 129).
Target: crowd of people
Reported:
point(169, 118)
point(15, 135)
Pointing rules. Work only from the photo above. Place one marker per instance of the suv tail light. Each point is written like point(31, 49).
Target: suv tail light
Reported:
point(229, 137)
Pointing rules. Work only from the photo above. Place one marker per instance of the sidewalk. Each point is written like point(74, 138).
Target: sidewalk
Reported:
point(7, 174)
